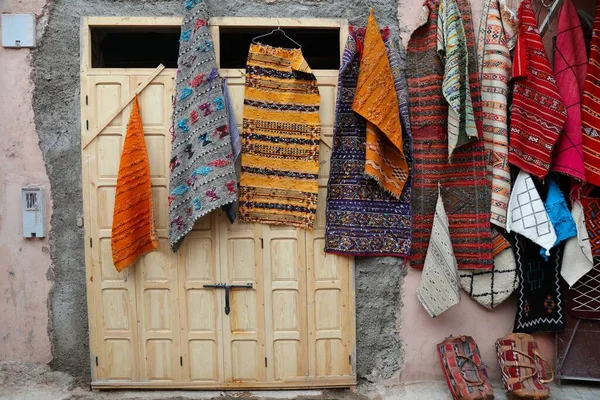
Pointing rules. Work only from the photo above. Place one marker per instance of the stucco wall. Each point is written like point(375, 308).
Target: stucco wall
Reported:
point(25, 275)
point(395, 338)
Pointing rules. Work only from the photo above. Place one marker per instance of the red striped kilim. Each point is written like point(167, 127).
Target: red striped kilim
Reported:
point(463, 182)
point(538, 114)
point(590, 109)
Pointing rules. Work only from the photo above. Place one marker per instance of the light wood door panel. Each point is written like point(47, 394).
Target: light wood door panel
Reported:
point(155, 324)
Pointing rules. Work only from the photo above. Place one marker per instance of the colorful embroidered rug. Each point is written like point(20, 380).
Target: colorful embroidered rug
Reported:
point(133, 231)
point(491, 288)
point(362, 219)
point(527, 215)
point(438, 289)
point(540, 305)
point(577, 260)
point(591, 209)
point(452, 47)
point(464, 185)
point(202, 170)
point(570, 66)
point(385, 161)
point(590, 109)
point(497, 38)
point(280, 139)
point(537, 112)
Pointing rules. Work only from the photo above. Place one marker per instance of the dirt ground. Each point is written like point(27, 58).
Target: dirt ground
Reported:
point(22, 381)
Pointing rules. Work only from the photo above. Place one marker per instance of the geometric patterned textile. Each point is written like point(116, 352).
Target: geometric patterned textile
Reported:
point(591, 209)
point(577, 260)
point(497, 37)
point(280, 140)
point(362, 219)
point(491, 288)
point(464, 186)
point(202, 171)
point(590, 109)
point(375, 100)
point(452, 47)
point(584, 297)
point(465, 372)
point(133, 230)
point(570, 66)
point(438, 289)
point(527, 215)
point(540, 305)
point(524, 372)
point(537, 112)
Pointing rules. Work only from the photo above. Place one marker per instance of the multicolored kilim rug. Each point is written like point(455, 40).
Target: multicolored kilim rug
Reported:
point(362, 219)
point(497, 38)
point(133, 231)
point(570, 66)
point(590, 109)
point(202, 170)
point(537, 112)
point(385, 161)
point(464, 186)
point(456, 85)
point(280, 139)
point(499, 243)
point(540, 305)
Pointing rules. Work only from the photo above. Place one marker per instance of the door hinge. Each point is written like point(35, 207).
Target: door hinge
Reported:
point(87, 124)
point(181, 360)
point(266, 362)
point(262, 243)
point(96, 361)
point(350, 359)
point(86, 100)
point(91, 243)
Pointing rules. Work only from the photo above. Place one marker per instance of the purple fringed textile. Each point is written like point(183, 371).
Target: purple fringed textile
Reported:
point(362, 219)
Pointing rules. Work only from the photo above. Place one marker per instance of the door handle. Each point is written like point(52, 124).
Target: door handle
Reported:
point(228, 288)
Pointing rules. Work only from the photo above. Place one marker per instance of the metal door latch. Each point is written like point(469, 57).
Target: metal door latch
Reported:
point(228, 288)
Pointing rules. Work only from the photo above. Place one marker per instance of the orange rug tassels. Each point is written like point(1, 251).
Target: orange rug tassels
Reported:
point(376, 101)
point(133, 231)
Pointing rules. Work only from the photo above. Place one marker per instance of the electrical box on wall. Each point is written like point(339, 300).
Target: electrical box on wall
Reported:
point(18, 30)
point(32, 204)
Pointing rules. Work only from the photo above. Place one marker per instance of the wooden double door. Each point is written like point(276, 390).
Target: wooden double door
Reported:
point(156, 324)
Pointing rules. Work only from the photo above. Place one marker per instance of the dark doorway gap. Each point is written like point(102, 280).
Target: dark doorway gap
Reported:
point(320, 46)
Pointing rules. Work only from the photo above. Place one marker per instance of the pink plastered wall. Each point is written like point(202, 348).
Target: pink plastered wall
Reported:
point(24, 263)
point(419, 332)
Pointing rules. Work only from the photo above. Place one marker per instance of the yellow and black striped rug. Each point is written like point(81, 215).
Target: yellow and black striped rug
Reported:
point(280, 139)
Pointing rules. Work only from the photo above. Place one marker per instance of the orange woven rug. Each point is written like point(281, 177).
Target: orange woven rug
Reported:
point(133, 231)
